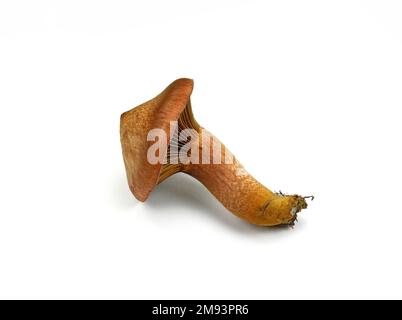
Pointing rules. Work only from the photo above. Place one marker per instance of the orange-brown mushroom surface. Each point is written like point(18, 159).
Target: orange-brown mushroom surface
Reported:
point(191, 149)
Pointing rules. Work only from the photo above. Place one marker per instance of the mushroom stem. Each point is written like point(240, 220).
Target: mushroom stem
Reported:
point(244, 196)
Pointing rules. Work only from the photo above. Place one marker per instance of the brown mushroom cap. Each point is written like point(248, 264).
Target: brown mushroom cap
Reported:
point(134, 127)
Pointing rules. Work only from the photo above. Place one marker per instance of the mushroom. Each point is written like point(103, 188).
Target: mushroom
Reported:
point(228, 181)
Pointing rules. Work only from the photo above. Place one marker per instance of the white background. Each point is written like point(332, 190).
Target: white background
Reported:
point(306, 94)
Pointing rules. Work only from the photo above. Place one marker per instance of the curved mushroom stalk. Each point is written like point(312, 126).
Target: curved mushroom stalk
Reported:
point(212, 163)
